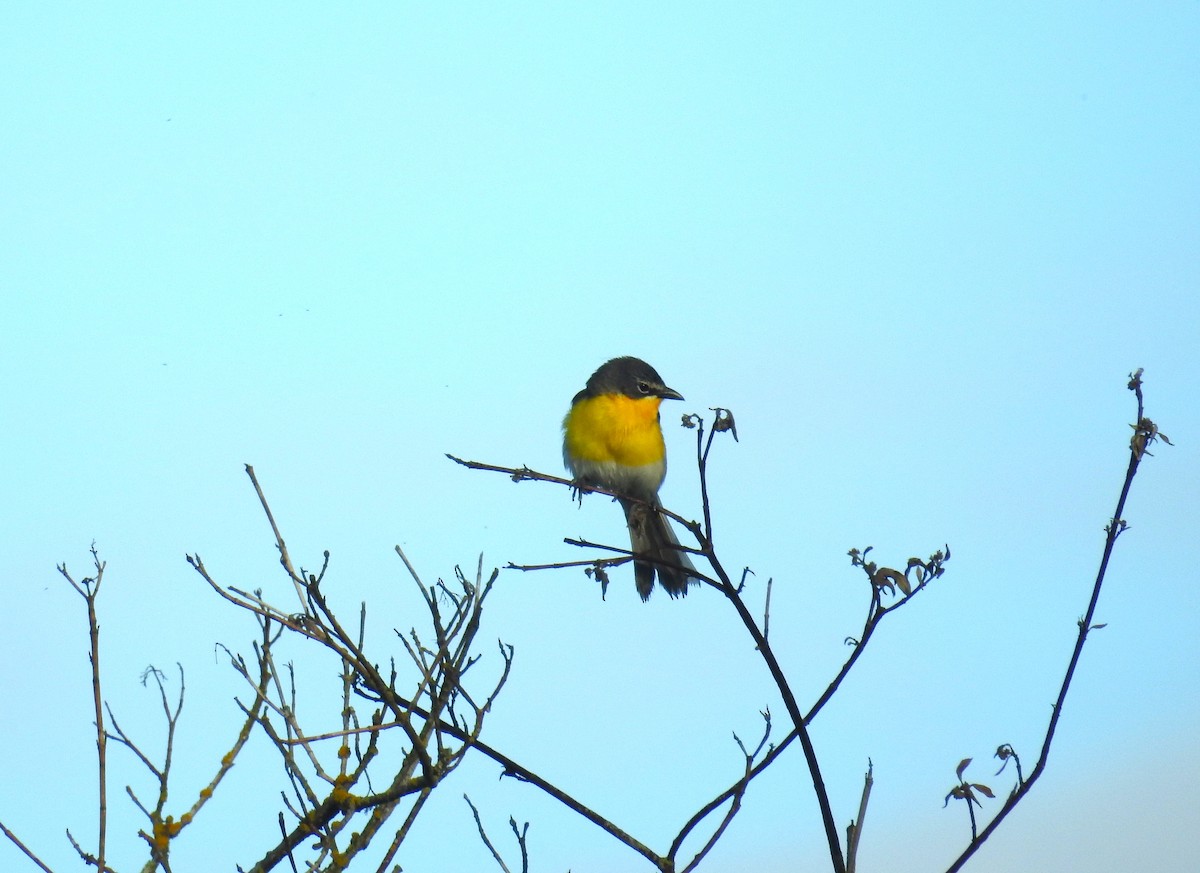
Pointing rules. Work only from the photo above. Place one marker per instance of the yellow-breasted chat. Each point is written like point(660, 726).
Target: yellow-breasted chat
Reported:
point(612, 439)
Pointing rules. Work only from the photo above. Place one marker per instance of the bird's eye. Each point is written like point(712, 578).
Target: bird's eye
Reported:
point(644, 387)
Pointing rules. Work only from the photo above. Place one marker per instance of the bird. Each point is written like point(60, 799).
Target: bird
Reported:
point(612, 439)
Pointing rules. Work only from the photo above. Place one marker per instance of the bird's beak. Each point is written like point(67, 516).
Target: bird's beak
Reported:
point(669, 393)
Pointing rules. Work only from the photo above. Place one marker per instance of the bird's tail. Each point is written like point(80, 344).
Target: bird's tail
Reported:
point(656, 550)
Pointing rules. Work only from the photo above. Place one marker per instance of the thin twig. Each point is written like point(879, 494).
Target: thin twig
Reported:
point(522, 836)
point(89, 589)
point(766, 627)
point(28, 854)
point(483, 836)
point(789, 702)
point(284, 557)
point(734, 807)
point(402, 831)
point(856, 826)
point(773, 666)
point(1145, 432)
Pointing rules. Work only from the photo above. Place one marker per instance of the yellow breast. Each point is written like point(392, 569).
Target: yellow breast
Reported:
point(613, 428)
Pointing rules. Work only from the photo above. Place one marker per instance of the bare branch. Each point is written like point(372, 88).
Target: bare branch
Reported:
point(854, 831)
point(24, 849)
point(89, 590)
point(483, 836)
point(735, 804)
point(284, 558)
point(1145, 432)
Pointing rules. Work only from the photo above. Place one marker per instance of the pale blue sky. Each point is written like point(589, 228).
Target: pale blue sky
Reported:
point(915, 250)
